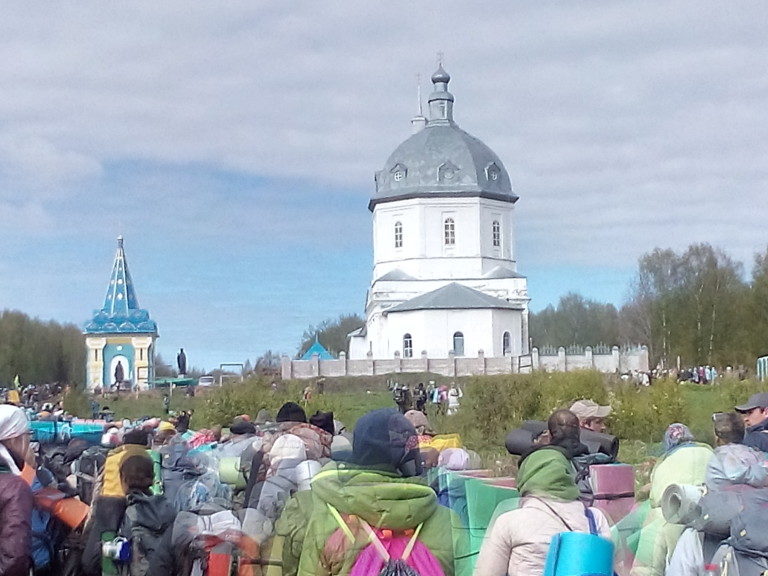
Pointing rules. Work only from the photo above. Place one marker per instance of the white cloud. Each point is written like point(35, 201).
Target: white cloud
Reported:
point(33, 160)
point(624, 125)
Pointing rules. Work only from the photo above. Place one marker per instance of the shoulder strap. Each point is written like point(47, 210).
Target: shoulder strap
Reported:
point(373, 537)
point(591, 519)
point(555, 513)
point(340, 521)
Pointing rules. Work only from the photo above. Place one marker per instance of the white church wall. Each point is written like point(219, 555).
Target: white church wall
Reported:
point(506, 321)
point(433, 330)
point(424, 253)
point(491, 210)
point(408, 213)
point(358, 347)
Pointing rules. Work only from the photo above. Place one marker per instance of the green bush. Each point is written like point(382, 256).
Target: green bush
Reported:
point(494, 405)
point(643, 413)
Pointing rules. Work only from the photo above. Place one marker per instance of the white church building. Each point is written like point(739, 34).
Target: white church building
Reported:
point(445, 281)
point(445, 296)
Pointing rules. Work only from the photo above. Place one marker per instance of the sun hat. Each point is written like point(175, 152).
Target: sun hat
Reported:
point(589, 409)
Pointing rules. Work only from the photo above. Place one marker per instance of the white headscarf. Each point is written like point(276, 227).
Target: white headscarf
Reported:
point(13, 423)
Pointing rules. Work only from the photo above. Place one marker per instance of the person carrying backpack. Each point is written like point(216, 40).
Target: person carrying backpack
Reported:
point(518, 542)
point(371, 517)
point(147, 523)
point(109, 499)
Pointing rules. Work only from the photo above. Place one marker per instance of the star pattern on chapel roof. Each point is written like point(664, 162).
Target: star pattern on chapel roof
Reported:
point(121, 313)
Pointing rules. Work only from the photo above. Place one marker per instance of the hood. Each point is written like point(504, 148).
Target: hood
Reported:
point(380, 498)
point(152, 512)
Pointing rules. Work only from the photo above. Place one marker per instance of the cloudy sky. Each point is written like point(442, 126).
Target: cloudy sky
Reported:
point(234, 145)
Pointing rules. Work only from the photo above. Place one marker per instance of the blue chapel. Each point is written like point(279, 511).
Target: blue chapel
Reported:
point(120, 337)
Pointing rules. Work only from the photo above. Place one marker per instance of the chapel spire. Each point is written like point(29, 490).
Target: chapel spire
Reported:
point(121, 296)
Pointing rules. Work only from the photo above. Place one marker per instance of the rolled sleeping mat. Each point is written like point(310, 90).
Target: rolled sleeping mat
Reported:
point(599, 442)
point(578, 553)
point(71, 511)
point(519, 441)
point(595, 441)
point(305, 471)
point(536, 427)
point(230, 472)
point(680, 503)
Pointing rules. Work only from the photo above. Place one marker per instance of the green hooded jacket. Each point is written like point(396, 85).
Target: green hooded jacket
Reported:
point(383, 500)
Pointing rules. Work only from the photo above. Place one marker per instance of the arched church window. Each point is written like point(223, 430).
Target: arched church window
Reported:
point(506, 344)
point(398, 234)
point(407, 346)
point(458, 344)
point(449, 232)
point(496, 234)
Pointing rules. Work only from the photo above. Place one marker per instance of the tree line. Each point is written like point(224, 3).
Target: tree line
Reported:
point(697, 305)
point(40, 352)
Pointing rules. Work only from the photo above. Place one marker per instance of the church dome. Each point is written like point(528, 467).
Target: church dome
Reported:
point(442, 160)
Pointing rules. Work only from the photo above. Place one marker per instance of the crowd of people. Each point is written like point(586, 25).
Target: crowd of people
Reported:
point(297, 494)
point(444, 398)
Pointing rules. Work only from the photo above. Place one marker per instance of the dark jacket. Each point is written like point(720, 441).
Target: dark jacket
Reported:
point(15, 528)
point(106, 516)
point(148, 523)
point(757, 436)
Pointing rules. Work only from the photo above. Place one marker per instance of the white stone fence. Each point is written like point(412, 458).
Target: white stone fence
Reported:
point(621, 360)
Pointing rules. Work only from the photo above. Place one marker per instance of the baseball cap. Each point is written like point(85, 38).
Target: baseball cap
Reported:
point(417, 418)
point(589, 409)
point(759, 400)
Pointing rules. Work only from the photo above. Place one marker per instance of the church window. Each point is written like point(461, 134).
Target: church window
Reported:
point(398, 234)
point(458, 344)
point(407, 346)
point(505, 344)
point(447, 171)
point(399, 172)
point(449, 232)
point(492, 172)
point(496, 234)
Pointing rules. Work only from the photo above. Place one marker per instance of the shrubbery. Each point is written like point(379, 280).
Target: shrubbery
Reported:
point(493, 405)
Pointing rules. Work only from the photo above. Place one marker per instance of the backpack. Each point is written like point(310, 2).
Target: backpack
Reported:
point(745, 553)
point(87, 469)
point(735, 563)
point(389, 553)
point(146, 541)
point(173, 465)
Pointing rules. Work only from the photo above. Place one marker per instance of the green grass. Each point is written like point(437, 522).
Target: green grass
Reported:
point(150, 404)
